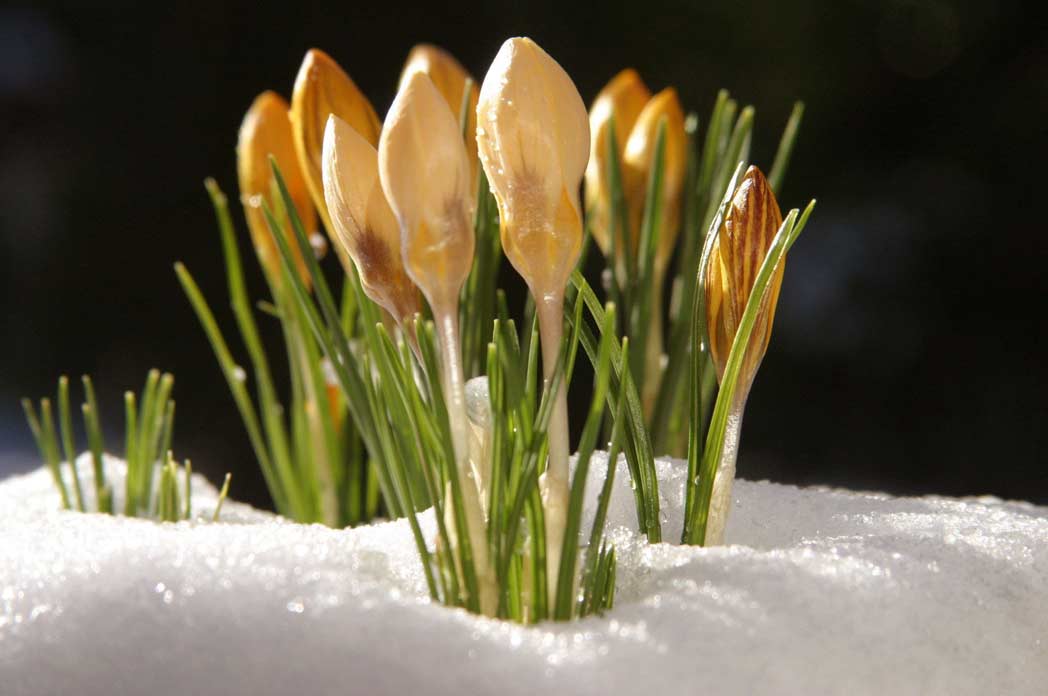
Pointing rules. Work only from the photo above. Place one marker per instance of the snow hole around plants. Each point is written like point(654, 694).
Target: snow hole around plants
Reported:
point(816, 591)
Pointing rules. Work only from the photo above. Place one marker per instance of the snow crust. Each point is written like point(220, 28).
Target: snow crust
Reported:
point(817, 591)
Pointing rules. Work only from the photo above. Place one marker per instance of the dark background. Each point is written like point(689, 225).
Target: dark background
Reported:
point(907, 353)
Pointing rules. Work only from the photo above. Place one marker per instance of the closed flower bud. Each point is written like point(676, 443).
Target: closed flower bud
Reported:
point(533, 139)
point(638, 159)
point(425, 173)
point(266, 131)
point(363, 225)
point(322, 88)
point(746, 234)
point(449, 77)
point(622, 99)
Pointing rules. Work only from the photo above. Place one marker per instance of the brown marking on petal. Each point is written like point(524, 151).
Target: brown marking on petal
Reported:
point(382, 277)
point(373, 257)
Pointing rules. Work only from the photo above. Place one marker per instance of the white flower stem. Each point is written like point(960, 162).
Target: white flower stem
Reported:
point(455, 400)
point(454, 384)
point(720, 499)
point(553, 484)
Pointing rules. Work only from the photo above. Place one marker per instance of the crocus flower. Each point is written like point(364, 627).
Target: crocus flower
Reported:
point(638, 159)
point(322, 88)
point(424, 170)
point(533, 140)
point(266, 131)
point(620, 102)
point(735, 258)
point(425, 173)
point(450, 79)
point(663, 111)
point(736, 255)
point(362, 224)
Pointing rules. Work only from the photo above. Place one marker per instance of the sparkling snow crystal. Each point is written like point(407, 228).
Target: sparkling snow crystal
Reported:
point(816, 592)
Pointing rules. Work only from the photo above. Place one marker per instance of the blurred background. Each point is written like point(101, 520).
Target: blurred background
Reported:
point(908, 349)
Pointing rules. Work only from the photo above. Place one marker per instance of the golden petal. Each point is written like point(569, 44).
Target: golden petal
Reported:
point(638, 159)
point(363, 225)
point(425, 174)
point(623, 98)
point(323, 88)
point(265, 131)
point(449, 77)
point(533, 140)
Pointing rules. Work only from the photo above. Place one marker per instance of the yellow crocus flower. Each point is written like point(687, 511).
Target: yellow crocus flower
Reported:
point(265, 131)
point(450, 79)
point(620, 101)
point(363, 226)
point(323, 88)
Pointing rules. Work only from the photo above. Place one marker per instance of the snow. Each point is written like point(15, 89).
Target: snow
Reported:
point(817, 591)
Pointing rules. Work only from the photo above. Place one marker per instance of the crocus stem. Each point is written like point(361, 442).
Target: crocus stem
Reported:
point(454, 385)
point(455, 399)
point(553, 484)
point(720, 498)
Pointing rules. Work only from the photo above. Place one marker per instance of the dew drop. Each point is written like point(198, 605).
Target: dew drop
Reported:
point(239, 374)
point(319, 244)
point(330, 376)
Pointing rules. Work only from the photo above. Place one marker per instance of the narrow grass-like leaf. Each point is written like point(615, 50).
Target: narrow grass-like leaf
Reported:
point(95, 440)
point(234, 379)
point(130, 455)
point(46, 441)
point(638, 446)
point(187, 511)
point(65, 424)
point(222, 494)
point(786, 143)
point(640, 321)
point(277, 454)
point(590, 599)
point(565, 599)
point(619, 242)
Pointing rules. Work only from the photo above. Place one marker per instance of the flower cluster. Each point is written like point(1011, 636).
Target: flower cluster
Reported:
point(407, 203)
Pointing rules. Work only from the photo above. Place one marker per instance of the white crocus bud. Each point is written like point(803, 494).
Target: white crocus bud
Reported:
point(425, 173)
point(533, 140)
point(363, 224)
point(451, 80)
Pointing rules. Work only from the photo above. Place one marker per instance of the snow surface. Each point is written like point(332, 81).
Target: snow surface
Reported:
point(817, 591)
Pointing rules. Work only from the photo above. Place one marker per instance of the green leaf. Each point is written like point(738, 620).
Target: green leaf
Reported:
point(565, 598)
point(638, 449)
point(65, 424)
point(786, 143)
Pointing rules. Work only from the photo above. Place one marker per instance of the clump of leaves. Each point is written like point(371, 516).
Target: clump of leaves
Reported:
point(149, 425)
point(655, 191)
point(420, 314)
